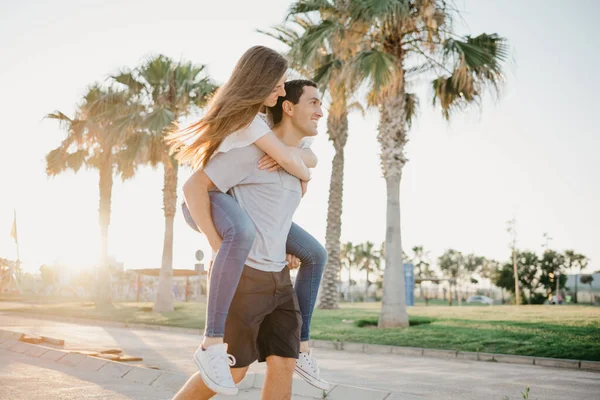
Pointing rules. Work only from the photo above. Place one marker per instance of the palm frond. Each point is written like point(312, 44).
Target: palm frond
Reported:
point(159, 119)
point(477, 65)
point(126, 78)
point(377, 68)
point(309, 6)
point(411, 106)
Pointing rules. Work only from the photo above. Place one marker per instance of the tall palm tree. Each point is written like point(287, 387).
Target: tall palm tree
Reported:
point(169, 91)
point(95, 139)
point(401, 39)
point(322, 59)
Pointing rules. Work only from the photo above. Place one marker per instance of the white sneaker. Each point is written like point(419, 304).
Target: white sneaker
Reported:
point(307, 368)
point(214, 363)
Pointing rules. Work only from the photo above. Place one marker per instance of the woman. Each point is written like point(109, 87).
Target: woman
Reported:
point(234, 119)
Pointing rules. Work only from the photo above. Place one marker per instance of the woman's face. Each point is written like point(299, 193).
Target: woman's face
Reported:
point(278, 91)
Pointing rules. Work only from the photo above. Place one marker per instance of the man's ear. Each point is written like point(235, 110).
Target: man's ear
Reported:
point(288, 107)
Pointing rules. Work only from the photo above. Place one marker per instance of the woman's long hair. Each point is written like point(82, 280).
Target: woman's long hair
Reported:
point(234, 106)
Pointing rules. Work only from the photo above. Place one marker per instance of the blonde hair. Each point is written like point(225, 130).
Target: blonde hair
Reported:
point(234, 106)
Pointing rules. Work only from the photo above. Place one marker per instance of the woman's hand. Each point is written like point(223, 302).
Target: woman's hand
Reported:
point(268, 163)
point(293, 261)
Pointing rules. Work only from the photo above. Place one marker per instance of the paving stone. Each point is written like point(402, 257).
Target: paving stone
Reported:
point(555, 362)
point(259, 380)
point(142, 375)
point(377, 349)
point(590, 365)
point(20, 347)
point(247, 382)
point(407, 351)
point(54, 355)
point(72, 359)
point(439, 353)
point(7, 344)
point(467, 355)
point(91, 364)
point(171, 381)
point(354, 347)
point(510, 359)
point(342, 392)
point(115, 369)
point(37, 351)
point(302, 388)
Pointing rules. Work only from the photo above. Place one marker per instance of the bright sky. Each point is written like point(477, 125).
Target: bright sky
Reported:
point(533, 153)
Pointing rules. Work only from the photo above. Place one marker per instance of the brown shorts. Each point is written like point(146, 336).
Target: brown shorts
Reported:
point(264, 318)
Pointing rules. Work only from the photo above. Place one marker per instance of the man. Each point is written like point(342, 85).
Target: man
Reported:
point(264, 318)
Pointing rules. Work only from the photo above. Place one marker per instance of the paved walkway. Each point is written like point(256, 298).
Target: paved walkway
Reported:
point(421, 377)
point(27, 378)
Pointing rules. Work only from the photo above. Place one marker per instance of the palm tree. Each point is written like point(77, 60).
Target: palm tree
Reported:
point(452, 263)
point(169, 91)
point(95, 139)
point(348, 258)
point(588, 279)
point(367, 258)
point(322, 59)
point(401, 39)
point(575, 260)
point(420, 261)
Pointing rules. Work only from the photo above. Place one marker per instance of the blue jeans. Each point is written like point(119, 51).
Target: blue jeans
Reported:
point(238, 233)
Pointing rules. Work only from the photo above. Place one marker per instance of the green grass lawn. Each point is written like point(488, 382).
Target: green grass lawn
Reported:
point(546, 331)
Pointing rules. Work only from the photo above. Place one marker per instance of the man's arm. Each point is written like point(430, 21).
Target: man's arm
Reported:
point(195, 194)
point(287, 157)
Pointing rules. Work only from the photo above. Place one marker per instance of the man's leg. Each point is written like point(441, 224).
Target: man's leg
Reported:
point(278, 381)
point(195, 389)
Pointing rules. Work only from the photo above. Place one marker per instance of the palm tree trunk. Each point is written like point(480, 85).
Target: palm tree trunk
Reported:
point(367, 286)
point(164, 295)
point(103, 295)
point(393, 308)
point(576, 279)
point(338, 133)
point(392, 138)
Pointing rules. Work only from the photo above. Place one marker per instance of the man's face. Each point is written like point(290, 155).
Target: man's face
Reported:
point(307, 113)
point(278, 91)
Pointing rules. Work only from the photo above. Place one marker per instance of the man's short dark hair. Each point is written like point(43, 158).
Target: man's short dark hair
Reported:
point(293, 92)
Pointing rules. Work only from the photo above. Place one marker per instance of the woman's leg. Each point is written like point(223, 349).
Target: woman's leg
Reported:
point(238, 233)
point(313, 257)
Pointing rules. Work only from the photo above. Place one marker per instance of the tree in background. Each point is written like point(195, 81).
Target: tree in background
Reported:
point(577, 261)
point(168, 91)
point(348, 258)
point(452, 264)
point(366, 259)
point(96, 138)
point(587, 280)
point(399, 40)
point(552, 264)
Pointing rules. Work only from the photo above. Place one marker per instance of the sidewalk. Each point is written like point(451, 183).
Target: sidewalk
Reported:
point(26, 378)
point(427, 378)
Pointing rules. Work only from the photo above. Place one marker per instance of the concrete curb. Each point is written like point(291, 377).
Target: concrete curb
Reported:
point(461, 355)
